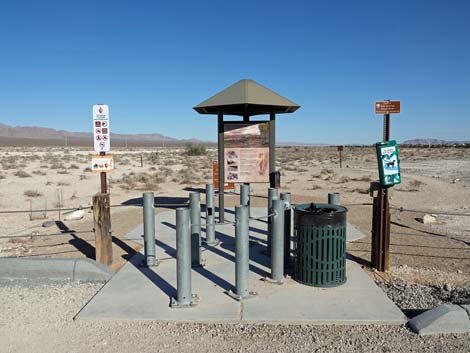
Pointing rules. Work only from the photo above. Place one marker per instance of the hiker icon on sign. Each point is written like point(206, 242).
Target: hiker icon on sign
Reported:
point(102, 144)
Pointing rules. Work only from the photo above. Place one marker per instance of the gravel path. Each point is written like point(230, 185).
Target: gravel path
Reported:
point(415, 296)
point(40, 319)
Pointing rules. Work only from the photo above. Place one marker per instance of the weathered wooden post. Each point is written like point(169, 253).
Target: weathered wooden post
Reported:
point(102, 224)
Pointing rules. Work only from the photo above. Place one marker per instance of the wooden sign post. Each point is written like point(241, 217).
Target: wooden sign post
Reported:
point(340, 150)
point(101, 211)
point(102, 222)
point(380, 252)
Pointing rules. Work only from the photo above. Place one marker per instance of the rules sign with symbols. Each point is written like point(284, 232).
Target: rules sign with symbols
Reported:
point(101, 131)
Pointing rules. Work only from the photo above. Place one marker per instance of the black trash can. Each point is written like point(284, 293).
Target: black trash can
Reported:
point(320, 244)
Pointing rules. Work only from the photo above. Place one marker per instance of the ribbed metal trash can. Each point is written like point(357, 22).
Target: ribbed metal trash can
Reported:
point(320, 245)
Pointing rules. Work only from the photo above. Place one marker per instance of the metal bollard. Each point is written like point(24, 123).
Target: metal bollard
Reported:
point(195, 210)
point(242, 254)
point(149, 229)
point(272, 194)
point(245, 196)
point(277, 248)
point(333, 198)
point(210, 227)
point(184, 296)
point(286, 197)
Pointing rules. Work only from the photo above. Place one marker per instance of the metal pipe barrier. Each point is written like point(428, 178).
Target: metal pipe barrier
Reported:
point(149, 230)
point(333, 198)
point(287, 198)
point(242, 254)
point(210, 222)
point(195, 209)
point(272, 194)
point(277, 248)
point(184, 297)
point(245, 196)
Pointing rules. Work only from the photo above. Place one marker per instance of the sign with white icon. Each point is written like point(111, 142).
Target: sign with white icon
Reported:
point(101, 131)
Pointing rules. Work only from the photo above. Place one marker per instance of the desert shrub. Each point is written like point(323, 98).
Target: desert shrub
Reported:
point(22, 174)
point(87, 170)
point(414, 185)
point(195, 150)
point(2, 176)
point(83, 177)
point(166, 172)
point(32, 193)
point(343, 179)
point(62, 172)
point(39, 172)
point(57, 165)
point(363, 178)
point(361, 190)
point(74, 166)
point(63, 183)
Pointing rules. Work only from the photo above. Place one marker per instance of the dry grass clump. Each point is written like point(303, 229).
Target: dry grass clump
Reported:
point(32, 193)
point(343, 179)
point(22, 174)
point(414, 185)
point(57, 165)
point(361, 190)
point(39, 172)
point(63, 183)
point(139, 181)
point(74, 166)
point(363, 178)
point(62, 172)
point(87, 170)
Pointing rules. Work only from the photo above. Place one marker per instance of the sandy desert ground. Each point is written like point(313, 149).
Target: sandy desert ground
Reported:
point(430, 263)
point(435, 179)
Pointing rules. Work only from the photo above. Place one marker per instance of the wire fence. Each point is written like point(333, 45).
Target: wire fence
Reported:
point(174, 205)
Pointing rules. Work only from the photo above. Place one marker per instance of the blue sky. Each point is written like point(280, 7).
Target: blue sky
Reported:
point(152, 61)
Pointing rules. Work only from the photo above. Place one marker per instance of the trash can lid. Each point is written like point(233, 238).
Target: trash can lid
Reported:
point(320, 214)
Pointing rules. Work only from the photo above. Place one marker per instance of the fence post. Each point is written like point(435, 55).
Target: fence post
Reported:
point(210, 226)
point(333, 198)
point(102, 223)
point(242, 254)
point(286, 197)
point(245, 196)
point(184, 296)
point(149, 229)
point(277, 248)
point(195, 208)
point(272, 194)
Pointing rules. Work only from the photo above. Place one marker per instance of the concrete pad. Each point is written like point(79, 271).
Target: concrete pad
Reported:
point(446, 318)
point(352, 233)
point(45, 269)
point(139, 293)
point(467, 308)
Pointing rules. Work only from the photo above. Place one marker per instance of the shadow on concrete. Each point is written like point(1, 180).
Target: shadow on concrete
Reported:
point(129, 251)
point(229, 245)
point(166, 287)
point(357, 259)
point(160, 201)
point(190, 189)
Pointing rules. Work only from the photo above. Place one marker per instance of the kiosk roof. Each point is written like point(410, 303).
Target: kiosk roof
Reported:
point(246, 97)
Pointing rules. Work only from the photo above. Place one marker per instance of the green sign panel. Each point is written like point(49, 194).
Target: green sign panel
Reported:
point(389, 163)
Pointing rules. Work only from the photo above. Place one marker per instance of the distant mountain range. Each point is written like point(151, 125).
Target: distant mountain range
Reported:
point(42, 136)
point(432, 142)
